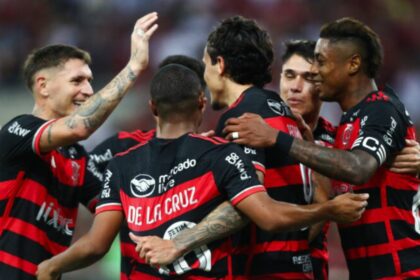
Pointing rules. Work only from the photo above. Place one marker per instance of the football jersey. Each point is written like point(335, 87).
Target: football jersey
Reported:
point(324, 135)
point(167, 185)
point(260, 254)
point(385, 242)
point(39, 196)
point(100, 157)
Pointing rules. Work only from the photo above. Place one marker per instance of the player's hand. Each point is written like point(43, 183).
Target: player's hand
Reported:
point(348, 207)
point(304, 128)
point(408, 160)
point(45, 272)
point(143, 30)
point(155, 250)
point(250, 130)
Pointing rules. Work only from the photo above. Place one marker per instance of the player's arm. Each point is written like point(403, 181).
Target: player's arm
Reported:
point(408, 160)
point(86, 119)
point(85, 251)
point(355, 166)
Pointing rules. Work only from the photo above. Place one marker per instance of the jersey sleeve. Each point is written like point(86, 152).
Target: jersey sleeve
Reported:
point(382, 131)
point(109, 198)
point(21, 136)
point(235, 175)
point(91, 187)
point(103, 153)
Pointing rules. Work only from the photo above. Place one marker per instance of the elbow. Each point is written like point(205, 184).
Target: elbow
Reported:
point(359, 175)
point(81, 134)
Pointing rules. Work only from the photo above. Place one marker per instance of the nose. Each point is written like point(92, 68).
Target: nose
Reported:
point(87, 89)
point(297, 85)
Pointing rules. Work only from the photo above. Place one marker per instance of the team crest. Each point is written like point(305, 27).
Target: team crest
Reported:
point(142, 185)
point(347, 135)
point(276, 107)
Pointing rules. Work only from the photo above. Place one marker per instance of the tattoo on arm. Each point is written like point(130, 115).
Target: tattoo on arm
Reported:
point(221, 222)
point(334, 163)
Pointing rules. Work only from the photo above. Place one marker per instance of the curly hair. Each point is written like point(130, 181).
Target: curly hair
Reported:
point(246, 49)
point(367, 41)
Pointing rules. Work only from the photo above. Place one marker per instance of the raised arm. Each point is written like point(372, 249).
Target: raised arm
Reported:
point(89, 116)
point(87, 250)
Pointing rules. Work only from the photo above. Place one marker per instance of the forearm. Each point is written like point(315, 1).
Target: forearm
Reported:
point(98, 107)
point(333, 163)
point(221, 222)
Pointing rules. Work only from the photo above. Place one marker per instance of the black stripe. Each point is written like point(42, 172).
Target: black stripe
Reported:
point(402, 229)
point(281, 262)
point(410, 259)
point(290, 193)
point(264, 236)
point(371, 268)
point(27, 249)
point(319, 268)
point(12, 273)
point(402, 199)
point(239, 262)
point(27, 211)
point(3, 206)
point(273, 160)
point(363, 235)
point(374, 201)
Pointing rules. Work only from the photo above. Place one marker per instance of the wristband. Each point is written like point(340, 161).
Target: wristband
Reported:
point(283, 142)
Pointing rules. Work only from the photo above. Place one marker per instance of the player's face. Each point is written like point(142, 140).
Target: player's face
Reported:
point(214, 82)
point(68, 87)
point(330, 62)
point(297, 87)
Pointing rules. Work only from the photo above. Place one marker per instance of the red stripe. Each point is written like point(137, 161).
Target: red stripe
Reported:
point(381, 249)
point(36, 193)
point(137, 135)
point(371, 216)
point(33, 233)
point(18, 263)
point(106, 208)
point(285, 124)
point(285, 275)
point(39, 134)
point(319, 253)
point(259, 167)
point(280, 246)
point(283, 176)
point(130, 149)
point(13, 191)
point(246, 193)
point(214, 140)
point(151, 212)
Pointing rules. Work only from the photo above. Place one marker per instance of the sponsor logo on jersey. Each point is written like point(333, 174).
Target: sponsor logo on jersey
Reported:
point(51, 215)
point(276, 107)
point(16, 129)
point(166, 181)
point(106, 191)
point(304, 260)
point(203, 254)
point(100, 158)
point(236, 161)
point(142, 185)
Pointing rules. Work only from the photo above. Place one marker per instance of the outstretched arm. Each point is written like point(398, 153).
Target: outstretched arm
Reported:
point(87, 250)
point(355, 167)
point(83, 122)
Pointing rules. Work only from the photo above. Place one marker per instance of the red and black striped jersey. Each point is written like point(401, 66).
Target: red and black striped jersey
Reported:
point(384, 243)
point(100, 156)
point(261, 254)
point(324, 135)
point(166, 185)
point(39, 196)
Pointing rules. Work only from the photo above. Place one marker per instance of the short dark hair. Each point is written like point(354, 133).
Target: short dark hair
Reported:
point(303, 48)
point(175, 90)
point(194, 64)
point(48, 57)
point(246, 48)
point(366, 40)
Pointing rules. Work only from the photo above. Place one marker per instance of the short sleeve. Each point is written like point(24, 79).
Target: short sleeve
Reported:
point(21, 136)
point(235, 174)
point(382, 131)
point(91, 187)
point(103, 153)
point(109, 198)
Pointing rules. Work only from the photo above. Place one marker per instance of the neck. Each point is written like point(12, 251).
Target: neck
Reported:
point(356, 93)
point(173, 129)
point(312, 121)
point(41, 113)
point(234, 91)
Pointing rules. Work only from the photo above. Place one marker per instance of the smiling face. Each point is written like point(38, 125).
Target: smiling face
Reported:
point(297, 87)
point(331, 62)
point(66, 87)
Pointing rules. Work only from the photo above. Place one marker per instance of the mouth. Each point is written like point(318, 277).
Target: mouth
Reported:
point(293, 101)
point(78, 103)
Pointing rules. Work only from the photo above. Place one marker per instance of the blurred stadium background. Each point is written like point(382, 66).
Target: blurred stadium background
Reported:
point(103, 28)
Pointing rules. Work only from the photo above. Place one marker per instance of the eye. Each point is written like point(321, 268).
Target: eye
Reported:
point(289, 75)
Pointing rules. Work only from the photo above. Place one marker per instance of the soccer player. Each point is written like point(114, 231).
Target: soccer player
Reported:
point(173, 181)
point(385, 243)
point(43, 170)
point(122, 141)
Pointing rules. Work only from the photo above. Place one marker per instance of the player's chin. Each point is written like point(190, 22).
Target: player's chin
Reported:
point(215, 105)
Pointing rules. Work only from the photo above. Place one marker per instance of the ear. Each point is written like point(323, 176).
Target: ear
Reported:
point(202, 102)
point(221, 65)
point(152, 106)
point(355, 63)
point(40, 85)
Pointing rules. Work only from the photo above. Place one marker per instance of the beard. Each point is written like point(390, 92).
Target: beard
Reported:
point(217, 106)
